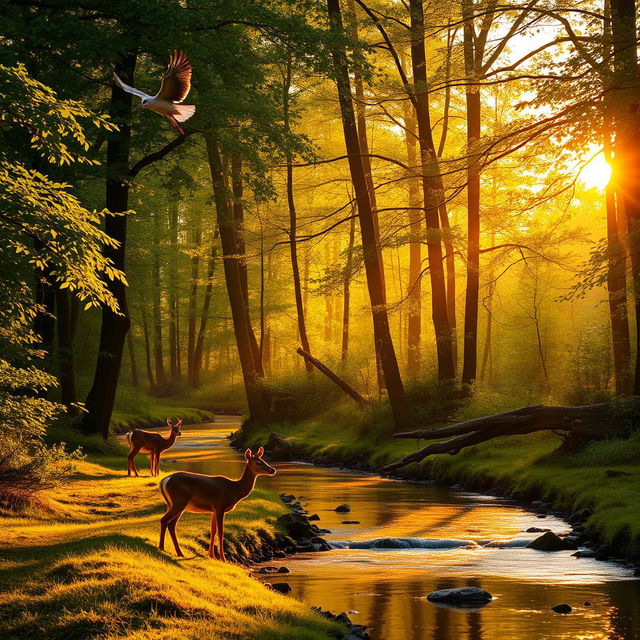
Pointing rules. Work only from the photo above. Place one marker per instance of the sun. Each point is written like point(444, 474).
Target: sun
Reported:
point(596, 173)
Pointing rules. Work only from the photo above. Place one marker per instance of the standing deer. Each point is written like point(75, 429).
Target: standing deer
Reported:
point(195, 492)
point(153, 444)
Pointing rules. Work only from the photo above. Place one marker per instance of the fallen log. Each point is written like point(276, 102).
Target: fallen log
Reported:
point(577, 424)
point(343, 384)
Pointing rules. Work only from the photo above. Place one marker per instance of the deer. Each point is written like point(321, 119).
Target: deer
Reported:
point(153, 444)
point(199, 493)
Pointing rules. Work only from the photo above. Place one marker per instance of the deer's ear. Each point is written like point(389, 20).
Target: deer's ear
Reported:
point(260, 452)
point(247, 455)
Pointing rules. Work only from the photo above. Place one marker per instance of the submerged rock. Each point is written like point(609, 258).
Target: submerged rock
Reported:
point(296, 525)
point(351, 522)
point(281, 587)
point(550, 542)
point(343, 508)
point(562, 608)
point(471, 597)
point(278, 447)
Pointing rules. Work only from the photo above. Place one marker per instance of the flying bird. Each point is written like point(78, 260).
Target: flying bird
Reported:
point(175, 86)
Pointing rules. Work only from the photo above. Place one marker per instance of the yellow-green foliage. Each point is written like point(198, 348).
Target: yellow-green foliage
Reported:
point(88, 567)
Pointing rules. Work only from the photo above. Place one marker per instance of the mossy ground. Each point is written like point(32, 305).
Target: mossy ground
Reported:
point(85, 565)
point(523, 465)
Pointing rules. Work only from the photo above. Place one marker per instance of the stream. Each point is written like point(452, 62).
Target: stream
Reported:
point(465, 539)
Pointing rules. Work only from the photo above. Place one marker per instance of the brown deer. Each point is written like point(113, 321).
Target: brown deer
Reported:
point(217, 495)
point(153, 444)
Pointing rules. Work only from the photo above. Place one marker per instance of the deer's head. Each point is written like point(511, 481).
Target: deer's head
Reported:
point(175, 428)
point(256, 464)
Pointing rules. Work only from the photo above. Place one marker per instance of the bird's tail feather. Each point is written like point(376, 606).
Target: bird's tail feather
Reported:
point(185, 111)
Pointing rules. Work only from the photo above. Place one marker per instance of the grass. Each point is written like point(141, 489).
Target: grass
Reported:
point(85, 565)
point(525, 466)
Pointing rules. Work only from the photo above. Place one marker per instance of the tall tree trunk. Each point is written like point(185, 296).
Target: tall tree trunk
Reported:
point(66, 322)
point(206, 303)
point(370, 242)
point(414, 285)
point(293, 247)
point(135, 380)
point(158, 350)
point(193, 297)
point(45, 321)
point(238, 230)
point(101, 397)
point(147, 348)
point(469, 366)
point(433, 194)
point(627, 148)
point(174, 358)
point(256, 401)
point(346, 293)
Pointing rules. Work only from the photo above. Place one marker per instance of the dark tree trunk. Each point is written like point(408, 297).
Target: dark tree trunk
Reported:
point(193, 299)
point(293, 247)
point(370, 243)
point(346, 291)
point(204, 318)
point(101, 397)
point(414, 286)
point(147, 349)
point(174, 357)
point(258, 407)
point(238, 231)
point(66, 322)
point(158, 350)
point(135, 379)
point(627, 149)
point(433, 194)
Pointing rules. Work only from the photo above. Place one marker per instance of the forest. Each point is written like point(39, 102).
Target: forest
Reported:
point(392, 230)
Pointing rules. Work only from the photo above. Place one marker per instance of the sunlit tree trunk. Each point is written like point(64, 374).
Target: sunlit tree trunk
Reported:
point(433, 194)
point(174, 358)
point(67, 318)
point(133, 364)
point(147, 348)
point(232, 260)
point(293, 246)
point(627, 148)
point(193, 297)
point(370, 242)
point(158, 350)
point(346, 293)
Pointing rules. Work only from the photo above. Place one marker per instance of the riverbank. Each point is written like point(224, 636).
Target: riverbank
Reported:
point(602, 481)
point(84, 564)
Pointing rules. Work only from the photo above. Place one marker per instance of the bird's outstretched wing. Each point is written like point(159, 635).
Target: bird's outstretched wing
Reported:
point(176, 81)
point(128, 89)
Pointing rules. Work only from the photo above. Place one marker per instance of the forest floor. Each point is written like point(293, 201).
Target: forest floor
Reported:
point(85, 564)
point(604, 477)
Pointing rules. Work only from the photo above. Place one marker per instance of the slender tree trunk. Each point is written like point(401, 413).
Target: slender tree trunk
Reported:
point(469, 367)
point(174, 358)
point(193, 298)
point(135, 380)
point(66, 360)
point(414, 285)
point(433, 194)
point(147, 349)
point(627, 149)
point(206, 303)
point(293, 247)
point(370, 243)
point(101, 397)
point(158, 349)
point(346, 297)
point(232, 260)
point(238, 230)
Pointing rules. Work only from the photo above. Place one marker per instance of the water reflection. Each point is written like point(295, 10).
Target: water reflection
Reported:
point(388, 588)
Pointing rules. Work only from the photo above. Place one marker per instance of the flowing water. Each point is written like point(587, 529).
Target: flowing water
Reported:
point(464, 539)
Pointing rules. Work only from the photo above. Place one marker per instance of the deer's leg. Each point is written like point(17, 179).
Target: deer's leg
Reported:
point(212, 539)
point(157, 463)
point(171, 525)
point(152, 463)
point(131, 461)
point(220, 519)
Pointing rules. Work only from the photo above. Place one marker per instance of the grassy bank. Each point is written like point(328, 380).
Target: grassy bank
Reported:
point(84, 564)
point(522, 466)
